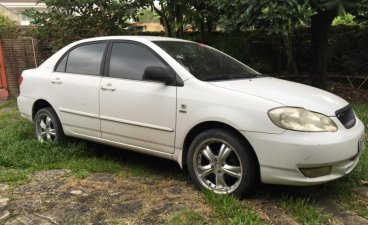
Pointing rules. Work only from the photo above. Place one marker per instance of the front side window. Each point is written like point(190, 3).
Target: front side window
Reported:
point(129, 61)
point(85, 59)
point(206, 63)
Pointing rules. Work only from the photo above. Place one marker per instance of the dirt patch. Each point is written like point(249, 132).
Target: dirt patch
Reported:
point(345, 91)
point(54, 197)
point(362, 191)
point(5, 110)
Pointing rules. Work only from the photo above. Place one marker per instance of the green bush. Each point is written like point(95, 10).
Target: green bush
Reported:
point(348, 49)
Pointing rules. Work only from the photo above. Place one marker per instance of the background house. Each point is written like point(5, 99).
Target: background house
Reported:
point(14, 9)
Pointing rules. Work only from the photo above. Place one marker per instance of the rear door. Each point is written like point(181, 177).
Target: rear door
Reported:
point(75, 88)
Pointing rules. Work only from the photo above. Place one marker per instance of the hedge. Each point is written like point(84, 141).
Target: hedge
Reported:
point(348, 49)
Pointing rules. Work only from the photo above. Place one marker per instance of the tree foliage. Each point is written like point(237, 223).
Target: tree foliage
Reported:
point(69, 20)
point(279, 17)
point(178, 16)
point(5, 22)
point(345, 19)
point(148, 16)
point(362, 13)
point(6, 25)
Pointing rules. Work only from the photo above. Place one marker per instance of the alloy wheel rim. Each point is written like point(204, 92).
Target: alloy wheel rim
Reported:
point(45, 129)
point(217, 166)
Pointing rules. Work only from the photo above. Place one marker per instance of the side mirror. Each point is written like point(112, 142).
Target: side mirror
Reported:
point(160, 74)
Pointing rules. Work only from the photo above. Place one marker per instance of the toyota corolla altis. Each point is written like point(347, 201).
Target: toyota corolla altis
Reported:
point(184, 101)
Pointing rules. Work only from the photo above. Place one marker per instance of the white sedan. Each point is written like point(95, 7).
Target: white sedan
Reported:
point(184, 101)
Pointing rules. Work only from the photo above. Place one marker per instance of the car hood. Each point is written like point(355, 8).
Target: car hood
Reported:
point(287, 93)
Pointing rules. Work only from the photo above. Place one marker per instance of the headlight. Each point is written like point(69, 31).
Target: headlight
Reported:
point(300, 119)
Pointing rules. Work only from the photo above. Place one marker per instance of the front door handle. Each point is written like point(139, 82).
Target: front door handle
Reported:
point(108, 87)
point(57, 80)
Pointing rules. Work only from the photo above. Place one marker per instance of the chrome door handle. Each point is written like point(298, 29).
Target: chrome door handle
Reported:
point(108, 87)
point(56, 81)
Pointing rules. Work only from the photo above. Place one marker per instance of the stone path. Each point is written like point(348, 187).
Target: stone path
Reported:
point(54, 197)
point(270, 212)
point(340, 214)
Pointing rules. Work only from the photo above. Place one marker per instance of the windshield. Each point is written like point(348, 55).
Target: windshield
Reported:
point(206, 63)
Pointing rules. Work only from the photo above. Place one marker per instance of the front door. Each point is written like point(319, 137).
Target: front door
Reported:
point(136, 112)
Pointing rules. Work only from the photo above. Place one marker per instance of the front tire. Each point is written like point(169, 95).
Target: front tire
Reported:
point(47, 126)
point(220, 161)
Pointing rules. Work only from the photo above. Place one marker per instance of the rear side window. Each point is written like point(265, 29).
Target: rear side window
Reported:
point(128, 61)
point(62, 64)
point(85, 59)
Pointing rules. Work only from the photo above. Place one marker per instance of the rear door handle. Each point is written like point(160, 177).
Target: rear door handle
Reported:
point(56, 81)
point(108, 87)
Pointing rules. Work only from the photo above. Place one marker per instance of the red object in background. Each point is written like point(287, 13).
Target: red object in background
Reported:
point(3, 94)
point(3, 81)
point(20, 80)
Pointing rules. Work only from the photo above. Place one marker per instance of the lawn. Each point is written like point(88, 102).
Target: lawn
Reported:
point(21, 155)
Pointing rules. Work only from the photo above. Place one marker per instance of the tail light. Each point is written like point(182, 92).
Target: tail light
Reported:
point(20, 80)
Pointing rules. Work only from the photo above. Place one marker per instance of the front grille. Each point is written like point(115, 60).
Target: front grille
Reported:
point(346, 116)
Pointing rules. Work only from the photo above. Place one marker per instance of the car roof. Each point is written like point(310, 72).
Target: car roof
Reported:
point(134, 38)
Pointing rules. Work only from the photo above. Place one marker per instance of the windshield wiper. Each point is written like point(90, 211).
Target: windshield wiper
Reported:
point(244, 75)
point(232, 77)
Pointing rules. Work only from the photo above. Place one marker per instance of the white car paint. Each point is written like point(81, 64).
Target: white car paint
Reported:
point(79, 114)
point(155, 119)
point(135, 105)
point(288, 93)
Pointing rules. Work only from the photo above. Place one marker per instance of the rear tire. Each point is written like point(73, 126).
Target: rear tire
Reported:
point(47, 126)
point(220, 161)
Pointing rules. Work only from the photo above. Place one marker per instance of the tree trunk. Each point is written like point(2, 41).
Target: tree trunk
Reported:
point(167, 26)
point(201, 29)
point(102, 28)
point(290, 63)
point(163, 20)
point(209, 24)
point(320, 27)
point(178, 21)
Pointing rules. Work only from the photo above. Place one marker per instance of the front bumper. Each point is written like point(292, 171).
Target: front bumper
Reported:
point(282, 155)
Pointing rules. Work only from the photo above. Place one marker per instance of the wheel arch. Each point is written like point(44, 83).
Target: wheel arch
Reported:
point(213, 125)
point(40, 104)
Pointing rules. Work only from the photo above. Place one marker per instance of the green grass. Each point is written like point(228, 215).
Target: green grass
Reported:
point(7, 104)
point(304, 211)
point(186, 217)
point(7, 111)
point(231, 211)
point(13, 176)
point(361, 171)
point(342, 190)
point(21, 154)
